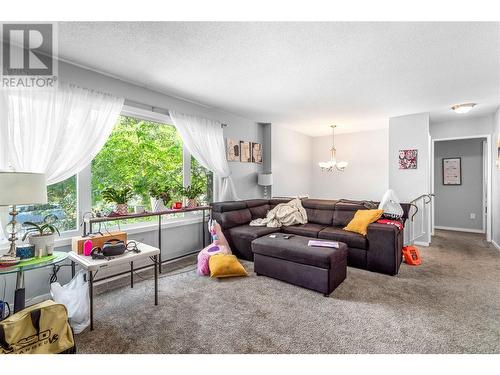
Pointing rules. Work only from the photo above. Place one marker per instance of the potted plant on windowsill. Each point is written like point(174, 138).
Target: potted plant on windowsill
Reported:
point(160, 197)
point(118, 196)
point(42, 235)
point(191, 193)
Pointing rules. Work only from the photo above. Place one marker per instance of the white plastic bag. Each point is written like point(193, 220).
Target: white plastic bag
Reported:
point(75, 296)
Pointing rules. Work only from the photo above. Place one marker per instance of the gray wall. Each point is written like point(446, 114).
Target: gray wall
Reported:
point(454, 204)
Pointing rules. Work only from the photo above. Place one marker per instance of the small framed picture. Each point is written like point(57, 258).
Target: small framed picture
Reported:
point(408, 159)
point(245, 152)
point(452, 171)
point(256, 153)
point(233, 150)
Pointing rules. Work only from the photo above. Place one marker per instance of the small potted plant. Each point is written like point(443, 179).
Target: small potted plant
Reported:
point(191, 193)
point(160, 197)
point(42, 235)
point(118, 196)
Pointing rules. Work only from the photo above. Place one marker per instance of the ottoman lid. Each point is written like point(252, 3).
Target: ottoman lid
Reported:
point(295, 249)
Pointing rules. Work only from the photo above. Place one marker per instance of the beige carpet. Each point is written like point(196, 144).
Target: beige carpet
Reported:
point(450, 304)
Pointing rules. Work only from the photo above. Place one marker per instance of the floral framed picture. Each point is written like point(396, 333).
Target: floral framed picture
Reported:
point(408, 159)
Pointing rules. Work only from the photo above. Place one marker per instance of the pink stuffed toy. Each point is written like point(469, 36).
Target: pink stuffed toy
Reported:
point(218, 246)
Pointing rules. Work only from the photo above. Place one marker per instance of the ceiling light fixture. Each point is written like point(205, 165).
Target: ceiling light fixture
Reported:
point(463, 108)
point(332, 164)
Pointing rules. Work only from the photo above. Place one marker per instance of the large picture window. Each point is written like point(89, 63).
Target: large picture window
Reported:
point(139, 152)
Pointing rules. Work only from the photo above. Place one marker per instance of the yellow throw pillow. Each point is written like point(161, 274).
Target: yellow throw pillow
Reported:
point(361, 220)
point(225, 265)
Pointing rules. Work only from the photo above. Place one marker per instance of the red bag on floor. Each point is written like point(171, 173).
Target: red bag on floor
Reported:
point(411, 256)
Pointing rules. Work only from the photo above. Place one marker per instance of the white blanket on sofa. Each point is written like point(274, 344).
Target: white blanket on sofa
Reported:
point(284, 214)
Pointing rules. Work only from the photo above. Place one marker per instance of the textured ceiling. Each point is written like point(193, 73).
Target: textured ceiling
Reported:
point(304, 76)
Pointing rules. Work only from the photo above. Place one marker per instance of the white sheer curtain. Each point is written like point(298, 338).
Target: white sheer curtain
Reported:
point(205, 141)
point(56, 132)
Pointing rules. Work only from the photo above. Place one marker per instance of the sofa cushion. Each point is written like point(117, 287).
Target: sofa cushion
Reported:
point(344, 212)
point(259, 211)
point(250, 233)
point(307, 230)
point(349, 238)
point(241, 238)
point(232, 219)
point(228, 206)
point(256, 202)
point(273, 202)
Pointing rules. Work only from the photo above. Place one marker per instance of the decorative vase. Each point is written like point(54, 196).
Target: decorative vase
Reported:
point(139, 209)
point(44, 245)
point(122, 209)
point(157, 205)
point(192, 203)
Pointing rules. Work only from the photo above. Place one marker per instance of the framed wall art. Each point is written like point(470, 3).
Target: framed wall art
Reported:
point(452, 171)
point(245, 152)
point(408, 159)
point(233, 149)
point(256, 153)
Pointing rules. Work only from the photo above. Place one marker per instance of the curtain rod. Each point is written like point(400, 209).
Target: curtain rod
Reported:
point(163, 111)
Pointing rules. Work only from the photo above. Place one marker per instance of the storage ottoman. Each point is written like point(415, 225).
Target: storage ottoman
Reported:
point(318, 268)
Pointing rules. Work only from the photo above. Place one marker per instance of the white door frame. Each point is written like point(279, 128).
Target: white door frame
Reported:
point(488, 178)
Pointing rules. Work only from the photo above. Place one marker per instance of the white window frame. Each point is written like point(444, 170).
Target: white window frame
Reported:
point(84, 182)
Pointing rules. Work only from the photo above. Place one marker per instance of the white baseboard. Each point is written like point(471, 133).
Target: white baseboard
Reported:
point(495, 244)
point(422, 243)
point(460, 229)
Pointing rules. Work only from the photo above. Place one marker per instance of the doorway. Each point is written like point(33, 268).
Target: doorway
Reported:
point(461, 182)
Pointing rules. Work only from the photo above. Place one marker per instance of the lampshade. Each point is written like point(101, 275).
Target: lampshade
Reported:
point(22, 188)
point(265, 179)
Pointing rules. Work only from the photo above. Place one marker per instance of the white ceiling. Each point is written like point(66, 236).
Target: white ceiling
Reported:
point(304, 76)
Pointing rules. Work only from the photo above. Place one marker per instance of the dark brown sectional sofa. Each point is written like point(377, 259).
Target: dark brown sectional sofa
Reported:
point(379, 251)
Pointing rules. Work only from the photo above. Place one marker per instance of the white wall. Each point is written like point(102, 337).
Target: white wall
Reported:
point(367, 175)
point(291, 158)
point(411, 132)
point(496, 181)
point(462, 127)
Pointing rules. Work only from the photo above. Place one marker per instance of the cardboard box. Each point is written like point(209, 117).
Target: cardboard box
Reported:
point(97, 240)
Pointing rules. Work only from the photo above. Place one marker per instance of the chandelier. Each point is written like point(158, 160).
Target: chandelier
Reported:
point(332, 164)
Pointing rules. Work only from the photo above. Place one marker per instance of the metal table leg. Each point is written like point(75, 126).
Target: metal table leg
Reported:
point(159, 240)
point(20, 293)
point(203, 228)
point(156, 279)
point(91, 296)
point(131, 274)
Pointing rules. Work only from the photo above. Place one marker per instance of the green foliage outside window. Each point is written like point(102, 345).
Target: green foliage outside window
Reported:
point(142, 154)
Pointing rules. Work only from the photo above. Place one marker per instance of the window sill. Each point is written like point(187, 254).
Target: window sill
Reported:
point(65, 239)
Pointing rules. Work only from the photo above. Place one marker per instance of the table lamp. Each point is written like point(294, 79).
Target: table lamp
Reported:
point(265, 179)
point(19, 188)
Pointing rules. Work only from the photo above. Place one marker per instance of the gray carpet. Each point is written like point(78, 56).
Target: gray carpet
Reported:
point(450, 304)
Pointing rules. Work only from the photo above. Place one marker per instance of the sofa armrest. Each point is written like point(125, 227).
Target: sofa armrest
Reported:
point(385, 243)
